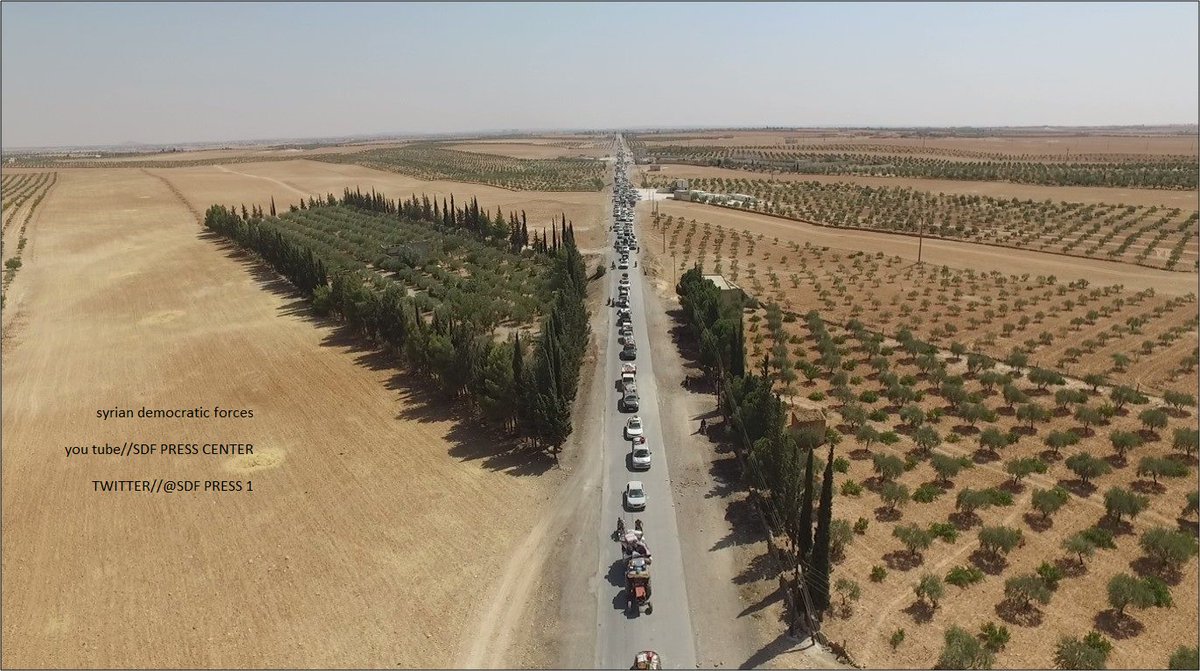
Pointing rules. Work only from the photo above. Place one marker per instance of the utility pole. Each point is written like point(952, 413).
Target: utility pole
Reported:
point(920, 241)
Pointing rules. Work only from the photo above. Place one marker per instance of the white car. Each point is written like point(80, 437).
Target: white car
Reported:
point(623, 265)
point(634, 428)
point(640, 458)
point(626, 330)
point(635, 495)
point(624, 283)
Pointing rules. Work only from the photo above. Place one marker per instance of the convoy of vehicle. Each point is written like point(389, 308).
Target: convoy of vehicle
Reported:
point(635, 553)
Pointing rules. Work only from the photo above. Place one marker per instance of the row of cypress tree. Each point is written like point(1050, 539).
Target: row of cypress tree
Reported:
point(781, 464)
point(526, 388)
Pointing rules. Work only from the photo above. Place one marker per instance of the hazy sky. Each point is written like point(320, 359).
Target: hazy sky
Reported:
point(107, 73)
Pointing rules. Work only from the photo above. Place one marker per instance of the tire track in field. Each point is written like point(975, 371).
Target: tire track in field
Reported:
point(178, 194)
point(289, 187)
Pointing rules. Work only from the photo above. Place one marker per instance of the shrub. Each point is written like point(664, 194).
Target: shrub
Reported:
point(860, 526)
point(1184, 658)
point(851, 488)
point(841, 465)
point(961, 650)
point(994, 638)
point(1101, 538)
point(1050, 573)
point(944, 531)
point(927, 493)
point(1090, 652)
point(964, 576)
point(896, 638)
point(878, 573)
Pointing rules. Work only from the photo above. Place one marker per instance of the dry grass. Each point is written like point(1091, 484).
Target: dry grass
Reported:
point(373, 513)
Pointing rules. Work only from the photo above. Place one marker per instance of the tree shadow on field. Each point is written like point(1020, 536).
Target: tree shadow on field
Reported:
point(920, 611)
point(762, 567)
point(783, 643)
point(1118, 625)
point(772, 597)
point(1148, 566)
point(682, 336)
point(726, 475)
point(469, 439)
point(903, 560)
point(743, 529)
point(1020, 614)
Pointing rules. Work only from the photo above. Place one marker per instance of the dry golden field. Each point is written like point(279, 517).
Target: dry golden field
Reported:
point(374, 510)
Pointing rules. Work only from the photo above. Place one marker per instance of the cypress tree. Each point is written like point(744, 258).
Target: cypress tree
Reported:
point(804, 540)
point(820, 561)
point(272, 206)
point(518, 370)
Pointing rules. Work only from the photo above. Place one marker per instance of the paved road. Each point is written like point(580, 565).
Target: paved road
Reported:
point(668, 629)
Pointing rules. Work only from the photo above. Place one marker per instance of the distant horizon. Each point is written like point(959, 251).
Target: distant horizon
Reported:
point(101, 74)
point(1186, 128)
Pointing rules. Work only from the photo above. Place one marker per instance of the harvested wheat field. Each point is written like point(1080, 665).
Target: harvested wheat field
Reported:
point(375, 519)
point(257, 183)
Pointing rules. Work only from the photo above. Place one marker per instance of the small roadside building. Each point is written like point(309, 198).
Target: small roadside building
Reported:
point(731, 294)
point(804, 417)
